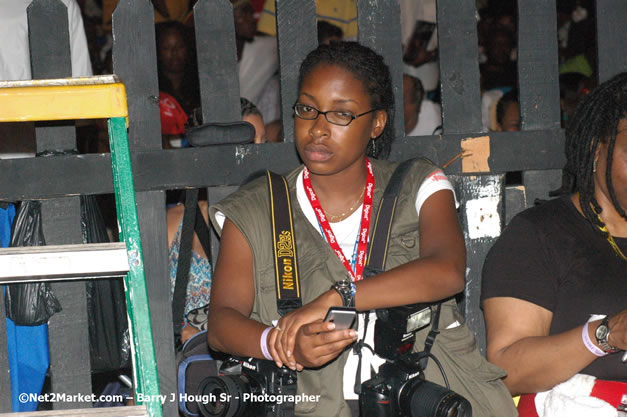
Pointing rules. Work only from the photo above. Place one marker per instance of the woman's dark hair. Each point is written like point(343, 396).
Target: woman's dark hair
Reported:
point(595, 120)
point(368, 67)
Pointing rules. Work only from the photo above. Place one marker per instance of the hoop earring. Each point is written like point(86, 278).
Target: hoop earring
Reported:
point(594, 164)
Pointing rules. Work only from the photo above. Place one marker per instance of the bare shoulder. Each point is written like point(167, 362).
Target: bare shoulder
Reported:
point(174, 216)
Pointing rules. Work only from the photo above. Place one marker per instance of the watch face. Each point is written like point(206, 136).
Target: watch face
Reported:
point(601, 332)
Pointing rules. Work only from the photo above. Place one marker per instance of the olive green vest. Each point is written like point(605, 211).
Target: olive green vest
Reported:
point(319, 267)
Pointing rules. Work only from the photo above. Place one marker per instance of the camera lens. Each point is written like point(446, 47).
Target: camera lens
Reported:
point(426, 399)
point(222, 396)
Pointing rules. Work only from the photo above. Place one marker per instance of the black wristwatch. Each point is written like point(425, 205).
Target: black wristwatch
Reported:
point(346, 289)
point(602, 334)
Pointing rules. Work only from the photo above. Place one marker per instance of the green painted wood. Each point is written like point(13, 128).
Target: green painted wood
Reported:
point(145, 369)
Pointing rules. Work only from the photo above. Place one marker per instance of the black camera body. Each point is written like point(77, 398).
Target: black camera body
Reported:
point(400, 390)
point(248, 388)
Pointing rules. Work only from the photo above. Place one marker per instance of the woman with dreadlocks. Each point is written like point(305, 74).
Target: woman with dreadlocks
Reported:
point(554, 284)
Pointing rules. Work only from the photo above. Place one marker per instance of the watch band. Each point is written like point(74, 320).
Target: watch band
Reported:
point(346, 289)
point(602, 334)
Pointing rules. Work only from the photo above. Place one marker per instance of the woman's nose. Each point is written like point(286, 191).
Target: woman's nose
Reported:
point(320, 125)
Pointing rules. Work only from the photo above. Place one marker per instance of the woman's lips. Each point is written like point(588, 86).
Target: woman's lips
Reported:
point(318, 153)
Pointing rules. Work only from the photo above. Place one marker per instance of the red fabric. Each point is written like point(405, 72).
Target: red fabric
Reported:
point(609, 391)
point(527, 406)
point(173, 117)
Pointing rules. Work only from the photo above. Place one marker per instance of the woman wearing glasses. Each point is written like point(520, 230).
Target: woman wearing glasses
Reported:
point(343, 122)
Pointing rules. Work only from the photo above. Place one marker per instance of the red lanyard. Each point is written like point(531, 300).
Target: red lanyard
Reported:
point(364, 225)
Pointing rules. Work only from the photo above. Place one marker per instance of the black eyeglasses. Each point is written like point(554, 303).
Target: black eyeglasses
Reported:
point(340, 118)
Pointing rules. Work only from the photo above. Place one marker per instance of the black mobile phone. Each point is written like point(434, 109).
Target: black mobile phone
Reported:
point(343, 317)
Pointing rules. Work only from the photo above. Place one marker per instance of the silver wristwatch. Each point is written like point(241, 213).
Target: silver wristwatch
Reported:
point(602, 334)
point(346, 289)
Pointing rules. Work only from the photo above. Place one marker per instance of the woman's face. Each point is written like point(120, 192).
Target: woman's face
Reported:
point(326, 148)
point(619, 167)
point(172, 51)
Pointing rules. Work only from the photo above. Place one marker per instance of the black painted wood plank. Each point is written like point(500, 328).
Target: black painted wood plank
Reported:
point(230, 164)
point(459, 67)
point(611, 37)
point(134, 60)
point(538, 74)
point(68, 335)
point(217, 61)
point(152, 224)
point(482, 218)
point(49, 44)
point(296, 37)
point(5, 376)
point(538, 184)
point(379, 28)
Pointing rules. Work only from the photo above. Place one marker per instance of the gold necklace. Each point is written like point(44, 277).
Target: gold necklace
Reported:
point(610, 238)
point(340, 216)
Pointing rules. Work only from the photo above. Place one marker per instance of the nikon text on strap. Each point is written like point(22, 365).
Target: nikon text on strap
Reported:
point(284, 244)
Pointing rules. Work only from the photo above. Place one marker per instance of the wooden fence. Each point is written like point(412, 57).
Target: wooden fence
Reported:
point(537, 150)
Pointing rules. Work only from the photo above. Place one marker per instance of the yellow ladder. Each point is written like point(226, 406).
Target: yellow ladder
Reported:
point(90, 98)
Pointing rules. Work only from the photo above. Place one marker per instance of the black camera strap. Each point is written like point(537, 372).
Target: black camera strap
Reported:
point(287, 280)
point(379, 242)
point(193, 221)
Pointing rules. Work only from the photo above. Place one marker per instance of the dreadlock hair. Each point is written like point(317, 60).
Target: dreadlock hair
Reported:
point(368, 67)
point(595, 121)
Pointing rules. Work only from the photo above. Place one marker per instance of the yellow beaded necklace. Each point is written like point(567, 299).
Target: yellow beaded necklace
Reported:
point(610, 238)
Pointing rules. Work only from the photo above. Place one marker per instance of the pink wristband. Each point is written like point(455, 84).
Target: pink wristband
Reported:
point(586, 341)
point(263, 342)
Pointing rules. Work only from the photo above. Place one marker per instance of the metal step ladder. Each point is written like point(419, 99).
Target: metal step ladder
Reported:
point(101, 97)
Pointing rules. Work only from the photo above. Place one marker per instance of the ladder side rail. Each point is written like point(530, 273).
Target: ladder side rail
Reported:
point(145, 365)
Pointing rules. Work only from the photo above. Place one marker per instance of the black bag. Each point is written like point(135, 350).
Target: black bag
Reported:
point(109, 341)
point(34, 303)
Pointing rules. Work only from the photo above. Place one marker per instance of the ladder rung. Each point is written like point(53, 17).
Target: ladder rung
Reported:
point(132, 411)
point(62, 262)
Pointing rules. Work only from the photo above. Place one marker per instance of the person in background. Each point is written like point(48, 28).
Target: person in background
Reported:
point(176, 66)
point(251, 115)
point(422, 116)
point(499, 71)
point(553, 288)
point(507, 113)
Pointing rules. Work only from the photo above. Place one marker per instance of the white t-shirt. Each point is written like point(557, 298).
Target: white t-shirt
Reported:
point(346, 233)
point(429, 118)
point(259, 62)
